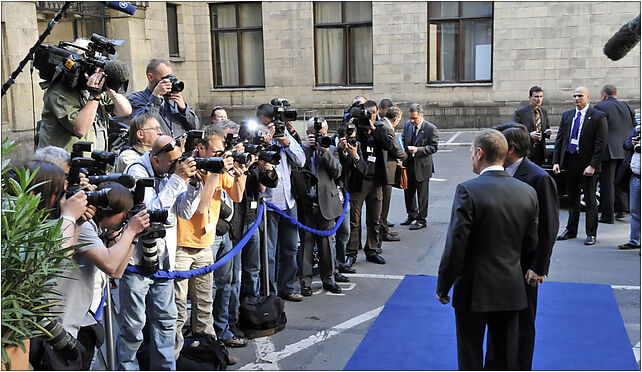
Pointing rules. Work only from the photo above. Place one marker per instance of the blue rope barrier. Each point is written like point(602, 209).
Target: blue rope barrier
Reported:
point(276, 209)
point(185, 274)
point(99, 311)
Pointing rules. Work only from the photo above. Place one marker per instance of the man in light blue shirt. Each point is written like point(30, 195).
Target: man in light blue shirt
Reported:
point(280, 231)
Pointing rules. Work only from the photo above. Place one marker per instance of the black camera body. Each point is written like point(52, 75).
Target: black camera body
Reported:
point(282, 110)
point(212, 165)
point(79, 148)
point(177, 85)
point(190, 141)
point(321, 139)
point(637, 148)
point(361, 116)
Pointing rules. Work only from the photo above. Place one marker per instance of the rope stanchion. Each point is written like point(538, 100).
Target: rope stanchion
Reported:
point(276, 209)
point(185, 274)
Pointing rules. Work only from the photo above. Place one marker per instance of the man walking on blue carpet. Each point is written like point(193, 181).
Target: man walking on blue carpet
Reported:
point(482, 257)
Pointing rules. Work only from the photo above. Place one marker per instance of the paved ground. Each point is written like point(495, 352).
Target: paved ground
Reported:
point(324, 330)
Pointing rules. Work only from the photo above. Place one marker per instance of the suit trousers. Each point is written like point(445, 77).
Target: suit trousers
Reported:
point(386, 192)
point(421, 190)
point(576, 182)
point(503, 338)
point(315, 220)
point(612, 198)
point(372, 195)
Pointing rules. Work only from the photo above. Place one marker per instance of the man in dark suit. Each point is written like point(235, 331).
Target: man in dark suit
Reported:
point(535, 118)
point(320, 209)
point(493, 223)
point(366, 175)
point(579, 145)
point(420, 140)
point(621, 120)
point(391, 118)
point(629, 172)
point(534, 264)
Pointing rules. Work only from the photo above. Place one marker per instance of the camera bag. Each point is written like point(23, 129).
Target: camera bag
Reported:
point(262, 316)
point(203, 353)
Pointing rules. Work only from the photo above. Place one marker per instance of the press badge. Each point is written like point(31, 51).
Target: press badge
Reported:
point(253, 205)
point(372, 159)
point(210, 227)
point(575, 141)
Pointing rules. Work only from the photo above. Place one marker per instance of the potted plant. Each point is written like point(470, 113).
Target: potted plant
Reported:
point(32, 259)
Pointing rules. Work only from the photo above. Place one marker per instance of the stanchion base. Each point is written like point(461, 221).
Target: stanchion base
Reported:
point(256, 333)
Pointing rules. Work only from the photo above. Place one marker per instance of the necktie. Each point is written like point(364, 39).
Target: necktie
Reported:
point(414, 136)
point(572, 147)
point(538, 120)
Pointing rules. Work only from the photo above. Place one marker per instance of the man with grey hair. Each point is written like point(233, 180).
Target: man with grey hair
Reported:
point(144, 129)
point(177, 116)
point(420, 140)
point(54, 155)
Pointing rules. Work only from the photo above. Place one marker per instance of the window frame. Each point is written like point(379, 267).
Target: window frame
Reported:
point(239, 31)
point(178, 44)
point(461, 52)
point(345, 26)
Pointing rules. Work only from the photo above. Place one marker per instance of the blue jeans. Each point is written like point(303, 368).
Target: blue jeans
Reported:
point(341, 238)
point(634, 203)
point(134, 292)
point(283, 233)
point(223, 284)
point(236, 289)
point(250, 264)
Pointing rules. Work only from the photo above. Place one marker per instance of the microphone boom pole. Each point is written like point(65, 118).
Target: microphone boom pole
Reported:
point(29, 56)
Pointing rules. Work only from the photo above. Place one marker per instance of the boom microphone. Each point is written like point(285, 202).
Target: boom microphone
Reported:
point(121, 6)
point(117, 76)
point(624, 40)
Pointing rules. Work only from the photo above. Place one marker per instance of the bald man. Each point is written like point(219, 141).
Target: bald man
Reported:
point(579, 145)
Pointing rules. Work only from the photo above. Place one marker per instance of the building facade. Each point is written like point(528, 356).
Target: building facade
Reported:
point(470, 63)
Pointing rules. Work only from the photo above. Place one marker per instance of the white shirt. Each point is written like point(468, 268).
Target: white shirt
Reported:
point(511, 169)
point(579, 131)
point(492, 168)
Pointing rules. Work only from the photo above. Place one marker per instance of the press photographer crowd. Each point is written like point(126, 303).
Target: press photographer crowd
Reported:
point(152, 205)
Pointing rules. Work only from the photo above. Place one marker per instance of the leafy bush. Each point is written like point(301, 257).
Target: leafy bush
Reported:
point(32, 259)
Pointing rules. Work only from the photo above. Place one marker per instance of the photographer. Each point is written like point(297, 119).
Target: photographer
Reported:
point(265, 116)
point(141, 295)
point(321, 207)
point(79, 114)
point(630, 170)
point(144, 129)
point(197, 235)
point(164, 93)
point(365, 179)
point(281, 232)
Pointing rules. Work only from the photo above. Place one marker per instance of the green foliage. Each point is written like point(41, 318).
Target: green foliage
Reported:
point(32, 258)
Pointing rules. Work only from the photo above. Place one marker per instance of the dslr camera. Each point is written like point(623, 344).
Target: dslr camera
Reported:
point(637, 148)
point(177, 85)
point(361, 115)
point(282, 113)
point(321, 139)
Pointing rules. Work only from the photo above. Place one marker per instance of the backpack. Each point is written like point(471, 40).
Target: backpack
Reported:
point(203, 353)
point(262, 316)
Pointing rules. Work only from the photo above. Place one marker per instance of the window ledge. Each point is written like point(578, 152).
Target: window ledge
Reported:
point(177, 59)
point(235, 89)
point(459, 84)
point(343, 87)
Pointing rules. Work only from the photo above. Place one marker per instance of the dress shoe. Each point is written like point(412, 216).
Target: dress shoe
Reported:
point(349, 262)
point(590, 240)
point(393, 233)
point(346, 270)
point(391, 238)
point(376, 259)
point(391, 224)
point(340, 278)
point(235, 342)
point(306, 291)
point(628, 246)
point(417, 225)
point(294, 297)
point(620, 215)
point(566, 235)
point(601, 220)
point(407, 222)
point(378, 250)
point(334, 287)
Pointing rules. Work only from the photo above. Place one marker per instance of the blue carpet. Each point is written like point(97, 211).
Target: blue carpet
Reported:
point(579, 327)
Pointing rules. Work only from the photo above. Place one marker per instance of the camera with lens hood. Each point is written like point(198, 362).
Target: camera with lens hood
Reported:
point(321, 139)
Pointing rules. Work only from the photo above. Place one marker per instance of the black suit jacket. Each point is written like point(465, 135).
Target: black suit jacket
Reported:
point(427, 141)
point(592, 139)
point(397, 153)
point(327, 172)
point(493, 222)
point(621, 120)
point(524, 115)
point(624, 172)
point(548, 219)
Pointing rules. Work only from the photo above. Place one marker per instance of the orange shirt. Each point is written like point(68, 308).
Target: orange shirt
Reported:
point(191, 233)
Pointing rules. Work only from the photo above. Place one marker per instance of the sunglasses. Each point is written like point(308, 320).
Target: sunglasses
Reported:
point(167, 148)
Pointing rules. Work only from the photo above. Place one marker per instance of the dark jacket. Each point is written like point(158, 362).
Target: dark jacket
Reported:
point(621, 119)
point(592, 139)
point(427, 141)
point(328, 170)
point(624, 172)
point(397, 153)
point(365, 169)
point(548, 219)
point(244, 212)
point(524, 115)
point(493, 223)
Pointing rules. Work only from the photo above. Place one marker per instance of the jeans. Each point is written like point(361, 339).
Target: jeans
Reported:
point(223, 292)
point(250, 264)
point(135, 292)
point(236, 289)
point(341, 238)
point(634, 203)
point(282, 232)
point(200, 294)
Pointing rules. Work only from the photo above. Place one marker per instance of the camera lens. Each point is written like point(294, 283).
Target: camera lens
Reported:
point(150, 256)
point(98, 198)
point(61, 340)
point(158, 215)
point(212, 165)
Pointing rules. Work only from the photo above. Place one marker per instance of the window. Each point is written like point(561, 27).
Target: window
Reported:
point(460, 41)
point(237, 45)
point(172, 29)
point(343, 43)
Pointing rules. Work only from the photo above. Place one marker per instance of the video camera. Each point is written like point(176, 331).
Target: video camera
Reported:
point(321, 139)
point(53, 62)
point(282, 113)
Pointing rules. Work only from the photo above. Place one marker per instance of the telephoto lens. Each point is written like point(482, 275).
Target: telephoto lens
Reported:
point(150, 256)
point(61, 340)
point(212, 165)
point(98, 198)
